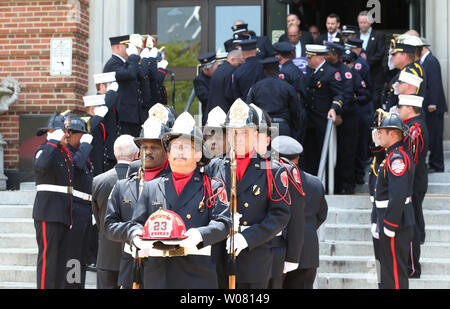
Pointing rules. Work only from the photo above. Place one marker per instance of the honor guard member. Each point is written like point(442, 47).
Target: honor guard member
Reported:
point(208, 65)
point(125, 62)
point(52, 209)
point(410, 110)
point(287, 248)
point(220, 88)
point(315, 213)
point(288, 70)
point(279, 99)
point(395, 213)
point(325, 100)
point(214, 133)
point(403, 57)
point(125, 194)
point(196, 199)
point(361, 65)
point(249, 73)
point(110, 252)
point(108, 129)
point(363, 99)
point(262, 199)
point(79, 145)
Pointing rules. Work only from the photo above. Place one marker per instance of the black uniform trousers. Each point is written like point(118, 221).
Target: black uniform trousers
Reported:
point(52, 243)
point(279, 256)
point(394, 254)
point(347, 135)
point(79, 242)
point(414, 267)
point(315, 134)
point(435, 124)
point(107, 279)
point(364, 139)
point(301, 278)
point(376, 250)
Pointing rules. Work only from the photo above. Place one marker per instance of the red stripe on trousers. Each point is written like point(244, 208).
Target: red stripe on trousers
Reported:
point(44, 255)
point(394, 263)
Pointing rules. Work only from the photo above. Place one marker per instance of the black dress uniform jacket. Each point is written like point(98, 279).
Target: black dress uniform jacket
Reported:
point(279, 99)
point(220, 91)
point(213, 223)
point(201, 87)
point(265, 216)
point(53, 165)
point(294, 76)
point(245, 76)
point(129, 107)
point(316, 210)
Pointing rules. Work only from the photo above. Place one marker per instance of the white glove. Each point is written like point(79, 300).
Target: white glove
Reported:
point(86, 138)
point(288, 266)
point(136, 240)
point(132, 50)
point(237, 217)
point(153, 52)
point(389, 233)
point(239, 243)
point(145, 53)
point(375, 138)
point(100, 111)
point(163, 64)
point(393, 110)
point(56, 135)
point(113, 86)
point(373, 229)
point(194, 238)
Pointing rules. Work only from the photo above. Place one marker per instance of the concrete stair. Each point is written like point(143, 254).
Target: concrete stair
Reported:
point(18, 246)
point(346, 250)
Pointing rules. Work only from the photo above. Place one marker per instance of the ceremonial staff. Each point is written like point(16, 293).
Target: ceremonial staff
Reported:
point(233, 204)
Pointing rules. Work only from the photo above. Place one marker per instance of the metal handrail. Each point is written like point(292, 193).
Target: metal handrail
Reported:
point(190, 101)
point(329, 153)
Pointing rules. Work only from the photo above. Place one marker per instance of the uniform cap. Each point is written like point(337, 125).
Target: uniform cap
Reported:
point(103, 78)
point(164, 224)
point(248, 44)
point(335, 48)
point(239, 37)
point(410, 100)
point(410, 78)
point(118, 39)
point(239, 28)
point(207, 60)
point(406, 44)
point(349, 29)
point(283, 47)
point(270, 60)
point(241, 115)
point(75, 123)
point(315, 50)
point(94, 100)
point(286, 145)
point(348, 55)
point(354, 43)
point(392, 121)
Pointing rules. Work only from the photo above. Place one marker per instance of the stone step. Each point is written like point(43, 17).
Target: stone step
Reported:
point(439, 177)
point(15, 225)
point(27, 274)
point(18, 256)
point(369, 281)
point(363, 264)
point(365, 248)
point(16, 211)
point(362, 201)
point(17, 197)
point(362, 216)
point(18, 240)
point(361, 232)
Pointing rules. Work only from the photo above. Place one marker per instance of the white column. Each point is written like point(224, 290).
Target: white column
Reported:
point(437, 32)
point(107, 18)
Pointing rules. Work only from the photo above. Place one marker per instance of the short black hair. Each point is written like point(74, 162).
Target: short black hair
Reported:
point(334, 15)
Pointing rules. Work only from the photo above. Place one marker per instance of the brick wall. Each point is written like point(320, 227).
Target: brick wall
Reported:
point(26, 28)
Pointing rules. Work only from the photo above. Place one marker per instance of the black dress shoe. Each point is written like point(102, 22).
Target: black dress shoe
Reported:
point(433, 170)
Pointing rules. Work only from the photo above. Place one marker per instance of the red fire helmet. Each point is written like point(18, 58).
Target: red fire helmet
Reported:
point(164, 224)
